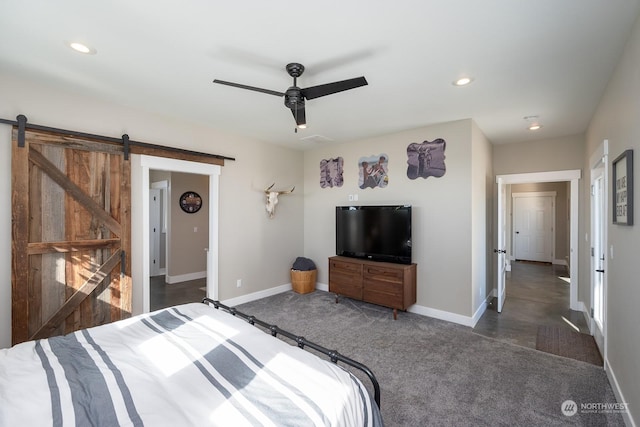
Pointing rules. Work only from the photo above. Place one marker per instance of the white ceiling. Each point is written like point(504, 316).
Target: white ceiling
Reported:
point(548, 58)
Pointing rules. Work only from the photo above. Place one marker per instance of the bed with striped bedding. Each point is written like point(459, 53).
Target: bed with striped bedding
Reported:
point(185, 365)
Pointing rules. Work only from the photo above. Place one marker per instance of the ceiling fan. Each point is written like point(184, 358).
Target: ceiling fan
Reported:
point(294, 97)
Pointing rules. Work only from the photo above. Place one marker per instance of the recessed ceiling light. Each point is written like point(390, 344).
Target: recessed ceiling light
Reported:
point(462, 81)
point(82, 48)
point(534, 122)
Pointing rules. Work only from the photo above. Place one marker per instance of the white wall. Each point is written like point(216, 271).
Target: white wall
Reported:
point(253, 248)
point(482, 184)
point(544, 155)
point(616, 119)
point(442, 210)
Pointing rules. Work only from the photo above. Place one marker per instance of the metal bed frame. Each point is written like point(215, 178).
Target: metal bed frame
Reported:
point(302, 342)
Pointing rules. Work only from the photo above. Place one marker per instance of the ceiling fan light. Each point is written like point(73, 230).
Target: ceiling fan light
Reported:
point(295, 97)
point(534, 126)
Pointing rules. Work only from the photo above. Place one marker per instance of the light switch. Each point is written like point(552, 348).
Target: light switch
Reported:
point(195, 229)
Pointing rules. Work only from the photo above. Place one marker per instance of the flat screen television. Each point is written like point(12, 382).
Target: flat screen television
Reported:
point(378, 233)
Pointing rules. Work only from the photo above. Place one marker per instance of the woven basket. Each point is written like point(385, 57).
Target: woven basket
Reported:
point(303, 282)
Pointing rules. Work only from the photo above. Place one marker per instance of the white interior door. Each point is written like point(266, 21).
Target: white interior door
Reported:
point(500, 251)
point(154, 232)
point(598, 251)
point(533, 229)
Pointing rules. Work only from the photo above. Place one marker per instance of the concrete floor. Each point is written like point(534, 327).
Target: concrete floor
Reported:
point(536, 295)
point(165, 295)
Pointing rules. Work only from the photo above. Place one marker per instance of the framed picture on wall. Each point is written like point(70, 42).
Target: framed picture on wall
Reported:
point(623, 189)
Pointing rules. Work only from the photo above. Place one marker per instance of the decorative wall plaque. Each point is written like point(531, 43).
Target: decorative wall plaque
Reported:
point(331, 172)
point(373, 171)
point(426, 159)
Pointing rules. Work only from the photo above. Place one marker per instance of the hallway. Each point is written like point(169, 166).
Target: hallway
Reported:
point(164, 295)
point(537, 294)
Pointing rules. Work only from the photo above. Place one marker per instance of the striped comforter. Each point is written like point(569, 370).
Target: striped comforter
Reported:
point(186, 365)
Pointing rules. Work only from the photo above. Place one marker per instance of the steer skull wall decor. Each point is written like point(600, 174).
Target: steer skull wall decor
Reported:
point(272, 198)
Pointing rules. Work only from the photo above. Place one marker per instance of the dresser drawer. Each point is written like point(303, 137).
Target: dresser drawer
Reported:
point(384, 274)
point(384, 286)
point(345, 267)
point(383, 298)
point(346, 277)
point(347, 289)
point(345, 272)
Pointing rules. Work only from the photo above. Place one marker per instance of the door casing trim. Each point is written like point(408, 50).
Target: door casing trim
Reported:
point(572, 176)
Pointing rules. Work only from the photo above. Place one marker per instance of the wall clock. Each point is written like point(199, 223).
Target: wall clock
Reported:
point(190, 202)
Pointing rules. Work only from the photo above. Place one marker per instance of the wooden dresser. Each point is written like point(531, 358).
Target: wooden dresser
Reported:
point(383, 283)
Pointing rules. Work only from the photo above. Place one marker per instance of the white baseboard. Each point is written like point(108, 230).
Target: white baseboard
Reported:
point(186, 277)
point(417, 309)
point(243, 299)
point(442, 315)
point(587, 318)
point(483, 307)
point(231, 302)
point(553, 261)
point(322, 287)
point(626, 415)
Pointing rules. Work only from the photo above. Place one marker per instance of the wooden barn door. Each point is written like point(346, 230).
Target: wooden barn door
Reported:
point(71, 235)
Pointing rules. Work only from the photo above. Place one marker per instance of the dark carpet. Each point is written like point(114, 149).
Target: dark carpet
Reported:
point(436, 373)
point(567, 343)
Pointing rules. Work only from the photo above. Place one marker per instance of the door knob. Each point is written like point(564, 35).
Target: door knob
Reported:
point(599, 271)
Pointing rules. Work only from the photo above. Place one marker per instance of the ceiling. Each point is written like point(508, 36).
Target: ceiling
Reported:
point(545, 58)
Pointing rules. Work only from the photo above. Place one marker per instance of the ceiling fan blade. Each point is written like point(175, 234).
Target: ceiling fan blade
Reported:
point(299, 116)
point(335, 87)
point(257, 89)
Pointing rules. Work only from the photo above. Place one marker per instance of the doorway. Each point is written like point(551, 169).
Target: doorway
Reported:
point(571, 176)
point(599, 220)
point(517, 325)
point(141, 166)
point(178, 239)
